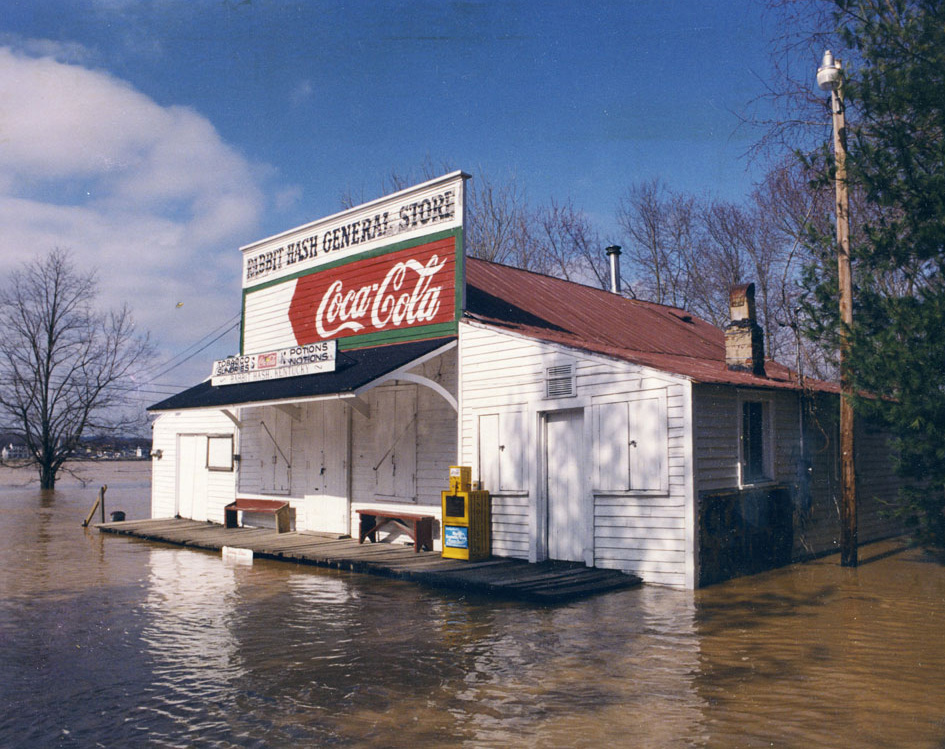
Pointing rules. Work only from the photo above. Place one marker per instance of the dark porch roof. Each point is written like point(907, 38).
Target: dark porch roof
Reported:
point(355, 369)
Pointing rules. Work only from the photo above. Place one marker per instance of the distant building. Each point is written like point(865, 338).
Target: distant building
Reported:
point(15, 452)
point(610, 432)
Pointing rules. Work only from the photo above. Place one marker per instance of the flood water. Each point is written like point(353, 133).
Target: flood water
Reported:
point(116, 642)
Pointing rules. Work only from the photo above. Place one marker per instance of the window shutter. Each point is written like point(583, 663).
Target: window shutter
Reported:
point(647, 445)
point(631, 445)
point(489, 451)
point(613, 435)
point(502, 442)
point(511, 452)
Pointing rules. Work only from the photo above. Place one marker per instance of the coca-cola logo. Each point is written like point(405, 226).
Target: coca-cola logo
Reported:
point(398, 290)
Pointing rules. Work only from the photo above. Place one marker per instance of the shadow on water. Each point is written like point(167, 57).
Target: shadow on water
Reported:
point(120, 642)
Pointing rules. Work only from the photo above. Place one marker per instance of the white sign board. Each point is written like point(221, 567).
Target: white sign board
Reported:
point(433, 206)
point(311, 358)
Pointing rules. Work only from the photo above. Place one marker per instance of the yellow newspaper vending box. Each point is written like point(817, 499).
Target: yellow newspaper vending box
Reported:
point(467, 518)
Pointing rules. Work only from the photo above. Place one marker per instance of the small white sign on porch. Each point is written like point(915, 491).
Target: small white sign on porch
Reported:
point(310, 358)
point(237, 555)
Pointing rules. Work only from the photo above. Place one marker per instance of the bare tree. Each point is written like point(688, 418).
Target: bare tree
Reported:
point(791, 115)
point(500, 222)
point(688, 251)
point(63, 366)
point(664, 242)
point(794, 212)
point(504, 226)
point(568, 245)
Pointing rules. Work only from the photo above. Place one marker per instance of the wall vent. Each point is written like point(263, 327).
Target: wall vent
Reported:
point(559, 381)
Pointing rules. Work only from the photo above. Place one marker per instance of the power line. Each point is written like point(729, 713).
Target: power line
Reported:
point(165, 366)
point(190, 356)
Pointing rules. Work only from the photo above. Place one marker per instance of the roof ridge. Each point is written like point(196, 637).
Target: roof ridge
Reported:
point(596, 289)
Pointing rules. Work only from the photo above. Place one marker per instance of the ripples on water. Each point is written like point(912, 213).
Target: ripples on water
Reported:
point(116, 642)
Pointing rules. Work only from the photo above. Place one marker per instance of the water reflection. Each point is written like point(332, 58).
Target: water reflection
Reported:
point(107, 640)
point(195, 660)
point(593, 673)
point(825, 655)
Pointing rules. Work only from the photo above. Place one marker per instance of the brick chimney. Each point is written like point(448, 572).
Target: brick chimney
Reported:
point(744, 339)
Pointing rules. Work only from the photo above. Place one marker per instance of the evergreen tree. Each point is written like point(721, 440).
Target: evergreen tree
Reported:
point(895, 87)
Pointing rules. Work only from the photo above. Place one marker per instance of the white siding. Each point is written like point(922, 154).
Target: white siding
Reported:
point(816, 520)
point(436, 432)
point(639, 520)
point(220, 485)
point(266, 325)
point(715, 430)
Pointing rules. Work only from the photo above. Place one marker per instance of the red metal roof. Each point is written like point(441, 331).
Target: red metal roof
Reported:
point(583, 317)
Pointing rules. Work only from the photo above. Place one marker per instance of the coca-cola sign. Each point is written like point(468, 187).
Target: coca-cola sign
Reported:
point(403, 289)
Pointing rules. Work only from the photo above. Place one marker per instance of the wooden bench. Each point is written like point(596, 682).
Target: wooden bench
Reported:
point(276, 507)
point(418, 527)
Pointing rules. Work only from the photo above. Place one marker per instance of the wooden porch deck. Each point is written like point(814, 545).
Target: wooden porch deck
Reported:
point(546, 582)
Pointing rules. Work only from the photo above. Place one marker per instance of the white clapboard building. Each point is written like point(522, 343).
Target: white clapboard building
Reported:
point(609, 431)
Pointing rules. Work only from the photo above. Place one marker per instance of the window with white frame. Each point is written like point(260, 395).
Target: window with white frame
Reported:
point(755, 444)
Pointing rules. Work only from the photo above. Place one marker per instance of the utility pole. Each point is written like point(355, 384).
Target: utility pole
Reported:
point(830, 77)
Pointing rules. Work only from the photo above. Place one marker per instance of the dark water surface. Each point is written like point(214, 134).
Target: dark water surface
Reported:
point(110, 641)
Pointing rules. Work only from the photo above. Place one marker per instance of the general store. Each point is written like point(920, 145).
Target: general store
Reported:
point(611, 432)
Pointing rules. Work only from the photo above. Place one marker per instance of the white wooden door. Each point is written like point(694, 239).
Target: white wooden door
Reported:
point(192, 476)
point(276, 449)
point(394, 421)
point(320, 467)
point(564, 455)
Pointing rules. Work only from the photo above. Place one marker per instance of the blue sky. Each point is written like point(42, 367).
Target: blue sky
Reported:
point(154, 139)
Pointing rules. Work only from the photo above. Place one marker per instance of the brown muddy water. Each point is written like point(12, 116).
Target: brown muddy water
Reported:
point(115, 642)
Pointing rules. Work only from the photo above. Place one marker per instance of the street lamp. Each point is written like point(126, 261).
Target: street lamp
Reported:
point(830, 78)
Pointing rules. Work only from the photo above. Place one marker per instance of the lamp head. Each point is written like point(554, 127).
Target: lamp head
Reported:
point(829, 73)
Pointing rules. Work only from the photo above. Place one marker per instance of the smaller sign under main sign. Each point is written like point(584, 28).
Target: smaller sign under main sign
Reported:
point(310, 358)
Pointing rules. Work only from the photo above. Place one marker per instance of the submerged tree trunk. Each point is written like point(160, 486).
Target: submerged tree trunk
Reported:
point(47, 477)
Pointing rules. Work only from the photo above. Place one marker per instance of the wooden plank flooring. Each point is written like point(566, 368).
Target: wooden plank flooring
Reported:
point(546, 582)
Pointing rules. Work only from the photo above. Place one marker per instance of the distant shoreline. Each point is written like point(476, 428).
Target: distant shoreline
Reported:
point(80, 473)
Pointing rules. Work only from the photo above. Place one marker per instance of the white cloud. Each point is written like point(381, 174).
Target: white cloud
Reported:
point(288, 198)
point(151, 196)
point(62, 51)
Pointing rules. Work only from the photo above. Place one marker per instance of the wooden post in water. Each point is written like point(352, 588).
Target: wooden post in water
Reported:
point(99, 503)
